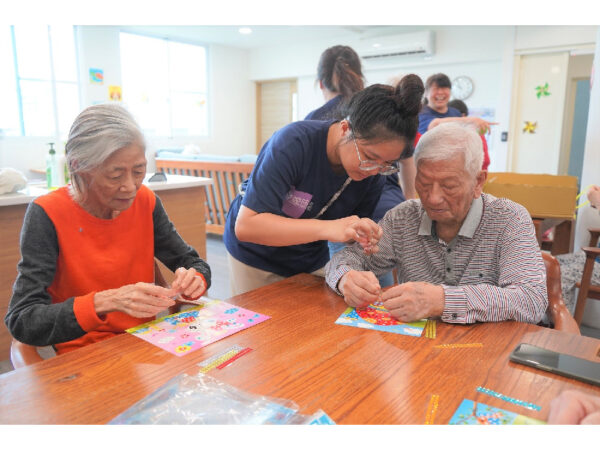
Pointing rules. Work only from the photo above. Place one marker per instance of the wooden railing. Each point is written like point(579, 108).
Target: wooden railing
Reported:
point(226, 178)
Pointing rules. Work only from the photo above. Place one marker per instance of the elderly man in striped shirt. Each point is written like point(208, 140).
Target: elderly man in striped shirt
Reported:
point(460, 254)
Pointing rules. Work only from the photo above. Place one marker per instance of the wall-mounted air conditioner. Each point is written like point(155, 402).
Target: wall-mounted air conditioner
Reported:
point(379, 48)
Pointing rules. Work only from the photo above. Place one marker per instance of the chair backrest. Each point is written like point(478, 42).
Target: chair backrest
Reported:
point(558, 312)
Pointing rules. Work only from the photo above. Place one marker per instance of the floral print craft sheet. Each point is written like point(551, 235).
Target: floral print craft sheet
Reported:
point(475, 413)
point(376, 317)
point(189, 330)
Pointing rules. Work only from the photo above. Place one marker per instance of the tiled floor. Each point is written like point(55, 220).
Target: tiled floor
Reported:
point(216, 257)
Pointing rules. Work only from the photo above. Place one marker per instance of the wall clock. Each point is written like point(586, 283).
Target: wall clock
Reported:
point(462, 87)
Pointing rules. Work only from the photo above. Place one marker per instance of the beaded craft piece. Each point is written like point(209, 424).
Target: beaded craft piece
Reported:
point(431, 409)
point(514, 401)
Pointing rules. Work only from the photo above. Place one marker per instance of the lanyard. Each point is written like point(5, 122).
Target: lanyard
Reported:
point(334, 197)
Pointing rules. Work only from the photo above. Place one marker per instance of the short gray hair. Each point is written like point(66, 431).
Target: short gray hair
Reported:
point(449, 139)
point(97, 132)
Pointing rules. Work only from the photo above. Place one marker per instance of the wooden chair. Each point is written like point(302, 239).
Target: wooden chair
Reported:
point(586, 288)
point(22, 355)
point(557, 310)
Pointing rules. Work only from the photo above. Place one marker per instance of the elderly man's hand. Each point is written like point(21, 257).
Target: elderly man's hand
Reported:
point(359, 288)
point(412, 301)
point(188, 283)
point(137, 300)
point(575, 407)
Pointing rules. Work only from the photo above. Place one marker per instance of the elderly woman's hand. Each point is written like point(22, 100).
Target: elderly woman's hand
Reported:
point(137, 300)
point(188, 283)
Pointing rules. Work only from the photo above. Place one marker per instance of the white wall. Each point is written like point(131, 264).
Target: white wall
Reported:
point(485, 53)
point(478, 52)
point(98, 49)
point(540, 37)
point(232, 99)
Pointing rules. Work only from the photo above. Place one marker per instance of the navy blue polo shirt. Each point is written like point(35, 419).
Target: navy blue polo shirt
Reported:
point(427, 115)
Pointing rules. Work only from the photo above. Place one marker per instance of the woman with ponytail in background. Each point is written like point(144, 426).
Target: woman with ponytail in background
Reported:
point(340, 77)
point(318, 181)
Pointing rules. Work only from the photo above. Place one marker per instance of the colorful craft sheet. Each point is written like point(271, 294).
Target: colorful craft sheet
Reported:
point(471, 413)
point(197, 327)
point(376, 317)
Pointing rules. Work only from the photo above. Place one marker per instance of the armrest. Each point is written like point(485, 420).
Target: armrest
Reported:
point(591, 252)
point(594, 235)
point(562, 319)
point(22, 355)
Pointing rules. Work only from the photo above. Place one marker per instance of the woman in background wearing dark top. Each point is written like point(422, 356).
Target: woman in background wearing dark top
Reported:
point(339, 72)
point(340, 77)
point(312, 183)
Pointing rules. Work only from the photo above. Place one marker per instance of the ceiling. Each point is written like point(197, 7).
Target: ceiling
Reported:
point(265, 35)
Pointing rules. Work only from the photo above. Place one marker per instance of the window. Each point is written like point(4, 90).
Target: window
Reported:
point(164, 85)
point(39, 80)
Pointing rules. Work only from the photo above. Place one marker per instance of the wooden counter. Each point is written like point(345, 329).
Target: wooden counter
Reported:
point(183, 198)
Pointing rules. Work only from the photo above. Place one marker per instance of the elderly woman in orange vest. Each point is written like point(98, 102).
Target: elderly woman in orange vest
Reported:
point(88, 249)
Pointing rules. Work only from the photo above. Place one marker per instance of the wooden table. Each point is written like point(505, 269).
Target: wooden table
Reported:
point(356, 376)
point(183, 198)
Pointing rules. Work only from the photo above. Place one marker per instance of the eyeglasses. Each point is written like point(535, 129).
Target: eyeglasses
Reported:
point(368, 164)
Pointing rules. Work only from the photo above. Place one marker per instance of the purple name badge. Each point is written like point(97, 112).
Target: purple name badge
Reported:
point(295, 203)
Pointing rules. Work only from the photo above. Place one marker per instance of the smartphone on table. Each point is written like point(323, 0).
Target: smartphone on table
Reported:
point(559, 363)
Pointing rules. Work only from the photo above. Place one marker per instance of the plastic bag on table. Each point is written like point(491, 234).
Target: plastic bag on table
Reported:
point(201, 399)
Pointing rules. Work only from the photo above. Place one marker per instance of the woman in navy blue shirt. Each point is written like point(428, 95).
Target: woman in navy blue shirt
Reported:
point(340, 77)
point(312, 183)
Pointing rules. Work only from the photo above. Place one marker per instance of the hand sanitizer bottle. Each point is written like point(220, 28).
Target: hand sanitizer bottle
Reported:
point(55, 172)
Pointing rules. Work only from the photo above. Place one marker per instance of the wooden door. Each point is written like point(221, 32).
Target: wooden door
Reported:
point(276, 107)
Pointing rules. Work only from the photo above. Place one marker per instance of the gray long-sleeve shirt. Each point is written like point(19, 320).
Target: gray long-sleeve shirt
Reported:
point(32, 318)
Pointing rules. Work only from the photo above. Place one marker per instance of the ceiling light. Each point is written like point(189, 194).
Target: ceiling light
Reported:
point(245, 30)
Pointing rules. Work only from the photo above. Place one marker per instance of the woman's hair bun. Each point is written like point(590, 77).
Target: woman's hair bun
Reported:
point(408, 95)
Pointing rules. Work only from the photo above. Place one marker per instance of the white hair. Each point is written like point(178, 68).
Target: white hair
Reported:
point(97, 132)
point(449, 139)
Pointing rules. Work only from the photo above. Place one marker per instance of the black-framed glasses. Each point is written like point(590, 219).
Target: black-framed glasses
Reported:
point(368, 164)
